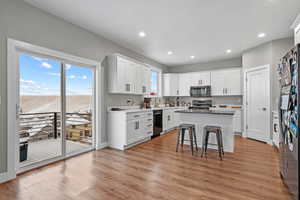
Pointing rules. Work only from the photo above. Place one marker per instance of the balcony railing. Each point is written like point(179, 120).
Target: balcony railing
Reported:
point(47, 125)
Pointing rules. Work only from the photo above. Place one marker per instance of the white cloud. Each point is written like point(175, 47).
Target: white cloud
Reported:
point(68, 66)
point(53, 74)
point(72, 76)
point(37, 58)
point(46, 65)
point(84, 77)
point(27, 81)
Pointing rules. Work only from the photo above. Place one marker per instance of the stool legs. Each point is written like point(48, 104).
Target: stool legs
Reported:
point(178, 139)
point(195, 139)
point(191, 140)
point(182, 136)
point(221, 139)
point(219, 146)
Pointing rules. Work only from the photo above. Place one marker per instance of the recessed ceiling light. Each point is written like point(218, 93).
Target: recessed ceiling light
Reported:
point(170, 52)
point(192, 57)
point(261, 35)
point(228, 51)
point(142, 34)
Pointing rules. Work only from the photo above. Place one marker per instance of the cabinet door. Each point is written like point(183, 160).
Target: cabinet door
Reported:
point(170, 85)
point(184, 84)
point(126, 72)
point(233, 82)
point(217, 83)
point(146, 86)
point(121, 71)
point(133, 131)
point(165, 120)
point(139, 79)
point(204, 78)
point(199, 79)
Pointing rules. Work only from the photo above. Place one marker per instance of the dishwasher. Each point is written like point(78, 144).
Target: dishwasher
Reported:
point(157, 123)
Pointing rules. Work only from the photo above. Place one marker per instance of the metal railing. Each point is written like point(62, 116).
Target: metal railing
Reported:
point(47, 125)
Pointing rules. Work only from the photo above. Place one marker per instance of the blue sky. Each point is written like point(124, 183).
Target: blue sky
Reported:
point(154, 78)
point(39, 76)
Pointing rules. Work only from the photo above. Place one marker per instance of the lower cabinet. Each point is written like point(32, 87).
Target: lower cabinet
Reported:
point(170, 119)
point(128, 129)
point(237, 122)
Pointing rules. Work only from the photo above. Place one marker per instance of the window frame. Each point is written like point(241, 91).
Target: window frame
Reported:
point(159, 81)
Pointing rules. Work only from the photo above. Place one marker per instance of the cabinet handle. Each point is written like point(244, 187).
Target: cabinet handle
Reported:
point(149, 125)
point(149, 119)
point(136, 116)
point(137, 125)
point(127, 87)
point(150, 132)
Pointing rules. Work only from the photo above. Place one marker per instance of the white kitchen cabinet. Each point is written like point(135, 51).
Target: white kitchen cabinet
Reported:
point(226, 82)
point(126, 76)
point(199, 79)
point(143, 80)
point(128, 129)
point(170, 118)
point(184, 84)
point(217, 83)
point(237, 121)
point(170, 84)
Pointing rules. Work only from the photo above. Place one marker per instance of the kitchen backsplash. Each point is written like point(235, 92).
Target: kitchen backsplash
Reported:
point(125, 100)
point(230, 100)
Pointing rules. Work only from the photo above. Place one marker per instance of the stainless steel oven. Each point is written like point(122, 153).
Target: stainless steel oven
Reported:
point(200, 91)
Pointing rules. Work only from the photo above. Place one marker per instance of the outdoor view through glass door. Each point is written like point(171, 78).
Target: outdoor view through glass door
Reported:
point(79, 104)
point(47, 91)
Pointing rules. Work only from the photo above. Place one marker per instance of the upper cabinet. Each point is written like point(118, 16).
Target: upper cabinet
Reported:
point(170, 84)
point(184, 81)
point(226, 82)
point(223, 82)
point(128, 77)
point(200, 78)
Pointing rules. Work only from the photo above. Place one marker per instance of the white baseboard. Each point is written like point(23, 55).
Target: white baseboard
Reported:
point(102, 146)
point(4, 177)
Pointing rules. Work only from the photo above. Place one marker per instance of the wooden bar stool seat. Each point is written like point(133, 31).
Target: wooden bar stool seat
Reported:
point(182, 128)
point(216, 130)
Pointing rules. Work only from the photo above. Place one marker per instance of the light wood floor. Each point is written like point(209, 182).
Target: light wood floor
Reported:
point(155, 171)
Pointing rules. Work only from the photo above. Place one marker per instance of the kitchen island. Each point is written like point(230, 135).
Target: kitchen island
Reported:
point(201, 119)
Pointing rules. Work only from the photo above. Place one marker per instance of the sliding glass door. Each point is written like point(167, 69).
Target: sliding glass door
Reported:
point(56, 109)
point(79, 108)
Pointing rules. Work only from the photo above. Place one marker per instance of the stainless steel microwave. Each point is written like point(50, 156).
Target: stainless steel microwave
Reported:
point(200, 91)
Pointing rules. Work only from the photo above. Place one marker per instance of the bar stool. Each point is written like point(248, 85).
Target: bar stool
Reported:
point(218, 131)
point(182, 128)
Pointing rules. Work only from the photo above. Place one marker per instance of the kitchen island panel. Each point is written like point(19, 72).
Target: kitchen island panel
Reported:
point(203, 119)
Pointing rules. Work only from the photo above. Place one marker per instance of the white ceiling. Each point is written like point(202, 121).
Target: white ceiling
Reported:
point(203, 28)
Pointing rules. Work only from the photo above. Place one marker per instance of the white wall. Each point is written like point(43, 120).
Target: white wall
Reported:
point(269, 53)
point(20, 21)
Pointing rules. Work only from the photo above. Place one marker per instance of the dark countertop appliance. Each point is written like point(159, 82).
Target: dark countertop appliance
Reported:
point(200, 91)
point(289, 116)
point(157, 122)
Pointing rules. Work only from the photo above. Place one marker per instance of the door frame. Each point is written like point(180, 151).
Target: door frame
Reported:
point(269, 94)
point(13, 49)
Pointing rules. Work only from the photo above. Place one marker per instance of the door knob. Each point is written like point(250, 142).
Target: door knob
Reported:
point(264, 109)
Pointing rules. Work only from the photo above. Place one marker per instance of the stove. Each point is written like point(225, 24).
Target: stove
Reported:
point(201, 105)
